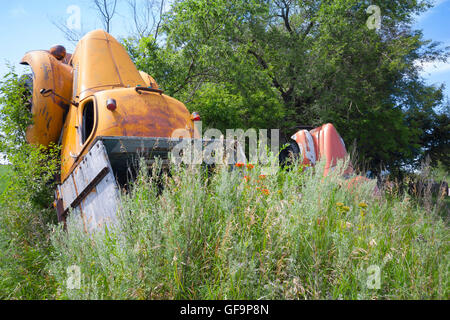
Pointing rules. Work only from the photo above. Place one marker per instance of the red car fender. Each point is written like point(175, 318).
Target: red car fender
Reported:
point(321, 142)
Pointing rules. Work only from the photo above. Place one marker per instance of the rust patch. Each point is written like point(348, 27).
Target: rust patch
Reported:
point(46, 71)
point(48, 123)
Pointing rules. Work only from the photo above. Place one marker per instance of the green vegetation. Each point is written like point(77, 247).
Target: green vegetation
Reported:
point(26, 213)
point(293, 235)
point(235, 234)
point(228, 235)
point(281, 64)
point(4, 170)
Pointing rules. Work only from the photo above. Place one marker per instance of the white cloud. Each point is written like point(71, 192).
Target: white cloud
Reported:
point(429, 68)
point(429, 12)
point(439, 2)
point(18, 12)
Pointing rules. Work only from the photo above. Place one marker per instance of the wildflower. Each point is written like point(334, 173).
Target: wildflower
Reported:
point(362, 205)
point(239, 164)
point(339, 204)
point(262, 177)
point(265, 191)
point(346, 208)
point(246, 178)
point(250, 166)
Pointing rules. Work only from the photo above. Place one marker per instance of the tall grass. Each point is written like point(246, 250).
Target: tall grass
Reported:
point(25, 220)
point(239, 235)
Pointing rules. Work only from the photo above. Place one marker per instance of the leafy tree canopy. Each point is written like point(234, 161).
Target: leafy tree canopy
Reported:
point(285, 63)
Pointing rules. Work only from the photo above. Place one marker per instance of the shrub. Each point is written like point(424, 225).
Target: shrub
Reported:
point(25, 204)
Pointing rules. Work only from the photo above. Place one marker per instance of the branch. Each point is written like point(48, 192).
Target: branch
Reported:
point(70, 34)
point(160, 19)
point(308, 30)
point(285, 9)
point(188, 76)
point(285, 16)
point(147, 17)
point(107, 10)
point(264, 65)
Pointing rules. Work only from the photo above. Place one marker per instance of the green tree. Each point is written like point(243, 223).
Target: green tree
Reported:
point(287, 63)
point(435, 136)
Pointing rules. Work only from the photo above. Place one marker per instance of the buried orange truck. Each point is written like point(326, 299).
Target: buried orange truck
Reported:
point(104, 113)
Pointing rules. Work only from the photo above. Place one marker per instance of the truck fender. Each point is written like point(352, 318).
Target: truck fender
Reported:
point(48, 110)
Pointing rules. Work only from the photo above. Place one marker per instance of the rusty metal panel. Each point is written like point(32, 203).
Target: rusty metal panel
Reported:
point(103, 63)
point(76, 218)
point(149, 81)
point(48, 109)
point(103, 70)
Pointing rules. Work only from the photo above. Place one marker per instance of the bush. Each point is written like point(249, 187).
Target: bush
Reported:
point(25, 204)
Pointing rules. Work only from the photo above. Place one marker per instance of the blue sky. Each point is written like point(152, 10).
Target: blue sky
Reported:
point(26, 25)
point(436, 26)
